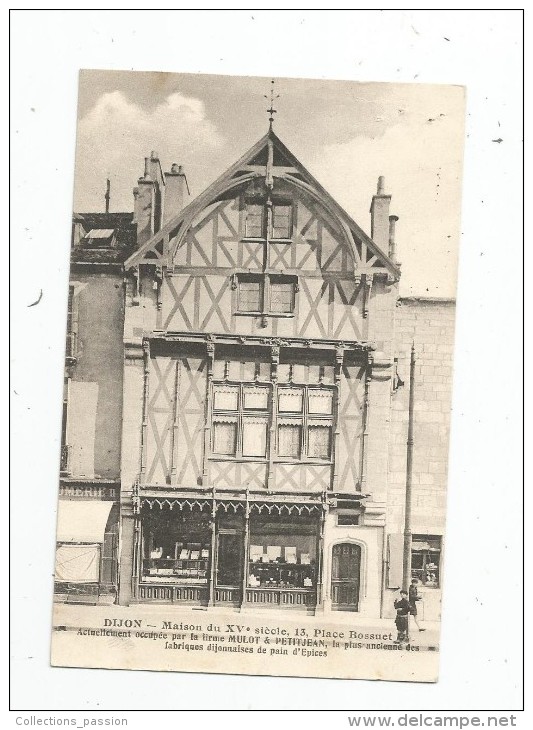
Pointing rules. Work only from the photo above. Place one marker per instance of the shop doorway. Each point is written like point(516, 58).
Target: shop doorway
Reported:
point(229, 567)
point(345, 576)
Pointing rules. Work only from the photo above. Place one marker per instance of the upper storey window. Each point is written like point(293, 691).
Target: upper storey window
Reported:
point(282, 294)
point(282, 221)
point(240, 420)
point(255, 221)
point(250, 294)
point(258, 223)
point(99, 238)
point(272, 295)
point(305, 422)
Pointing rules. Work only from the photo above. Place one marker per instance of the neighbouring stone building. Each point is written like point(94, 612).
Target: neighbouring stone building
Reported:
point(89, 488)
point(239, 394)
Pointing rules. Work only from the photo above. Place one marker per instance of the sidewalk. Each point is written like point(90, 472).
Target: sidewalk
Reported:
point(152, 615)
point(276, 643)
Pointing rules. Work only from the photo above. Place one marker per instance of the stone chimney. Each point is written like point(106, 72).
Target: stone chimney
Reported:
point(392, 237)
point(379, 216)
point(176, 191)
point(148, 199)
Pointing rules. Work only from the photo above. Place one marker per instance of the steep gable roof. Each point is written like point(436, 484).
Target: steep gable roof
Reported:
point(268, 158)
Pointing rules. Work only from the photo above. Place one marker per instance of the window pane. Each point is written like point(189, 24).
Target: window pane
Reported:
point(320, 401)
point(289, 438)
point(352, 519)
point(234, 370)
point(432, 573)
point(226, 398)
point(328, 376)
point(297, 553)
point(250, 296)
point(254, 435)
point(425, 559)
point(224, 438)
point(254, 221)
point(255, 398)
point(218, 369)
point(290, 400)
point(319, 442)
point(282, 221)
point(282, 297)
point(284, 370)
point(248, 370)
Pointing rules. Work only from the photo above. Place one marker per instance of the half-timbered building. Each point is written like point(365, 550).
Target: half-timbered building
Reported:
point(253, 346)
point(258, 377)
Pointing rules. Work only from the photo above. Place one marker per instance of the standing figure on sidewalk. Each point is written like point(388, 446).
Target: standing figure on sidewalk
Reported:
point(402, 607)
point(413, 598)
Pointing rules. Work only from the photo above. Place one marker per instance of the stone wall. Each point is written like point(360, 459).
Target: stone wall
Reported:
point(430, 324)
point(94, 427)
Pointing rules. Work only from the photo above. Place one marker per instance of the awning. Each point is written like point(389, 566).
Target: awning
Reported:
point(419, 545)
point(77, 563)
point(432, 545)
point(82, 520)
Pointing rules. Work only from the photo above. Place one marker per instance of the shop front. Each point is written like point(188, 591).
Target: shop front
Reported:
point(175, 559)
point(240, 553)
point(86, 551)
point(283, 559)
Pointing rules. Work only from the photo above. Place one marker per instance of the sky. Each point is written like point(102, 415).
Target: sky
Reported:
point(345, 133)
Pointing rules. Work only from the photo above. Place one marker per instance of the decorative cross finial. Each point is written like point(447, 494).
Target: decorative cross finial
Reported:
point(271, 111)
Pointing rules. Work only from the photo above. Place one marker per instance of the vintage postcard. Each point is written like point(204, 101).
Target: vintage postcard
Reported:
point(258, 376)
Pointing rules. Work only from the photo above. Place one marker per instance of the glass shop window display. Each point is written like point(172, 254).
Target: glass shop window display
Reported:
point(177, 547)
point(283, 552)
point(425, 559)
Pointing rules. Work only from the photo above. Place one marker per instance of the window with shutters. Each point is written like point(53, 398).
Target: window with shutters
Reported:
point(305, 423)
point(240, 420)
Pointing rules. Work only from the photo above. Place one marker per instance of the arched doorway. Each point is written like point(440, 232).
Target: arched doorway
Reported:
point(345, 576)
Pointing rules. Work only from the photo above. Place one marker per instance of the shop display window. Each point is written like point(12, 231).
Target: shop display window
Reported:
point(283, 553)
point(177, 547)
point(425, 559)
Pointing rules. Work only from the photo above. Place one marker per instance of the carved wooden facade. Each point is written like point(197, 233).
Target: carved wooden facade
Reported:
point(251, 313)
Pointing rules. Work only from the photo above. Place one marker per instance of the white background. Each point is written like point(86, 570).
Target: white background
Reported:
point(481, 637)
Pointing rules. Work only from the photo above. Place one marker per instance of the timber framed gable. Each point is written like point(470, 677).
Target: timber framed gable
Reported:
point(264, 248)
point(269, 163)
